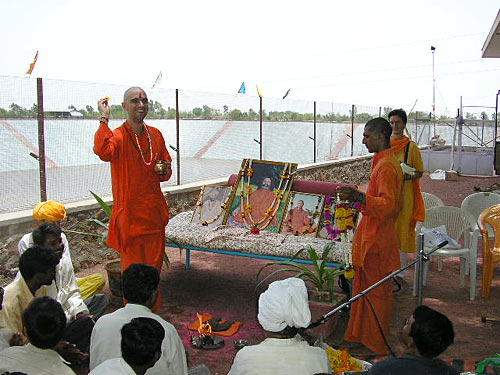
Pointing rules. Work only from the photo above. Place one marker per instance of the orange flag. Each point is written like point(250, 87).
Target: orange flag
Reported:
point(32, 65)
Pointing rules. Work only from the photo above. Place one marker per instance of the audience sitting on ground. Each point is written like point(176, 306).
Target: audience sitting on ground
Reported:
point(75, 295)
point(141, 342)
point(426, 334)
point(65, 289)
point(37, 268)
point(140, 289)
point(44, 322)
point(283, 310)
point(7, 337)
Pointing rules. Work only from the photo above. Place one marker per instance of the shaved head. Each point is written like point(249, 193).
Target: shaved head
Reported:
point(129, 91)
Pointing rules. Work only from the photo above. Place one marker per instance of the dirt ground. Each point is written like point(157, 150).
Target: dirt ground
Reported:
point(224, 286)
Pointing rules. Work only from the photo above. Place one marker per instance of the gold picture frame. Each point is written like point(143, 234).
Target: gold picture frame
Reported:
point(260, 195)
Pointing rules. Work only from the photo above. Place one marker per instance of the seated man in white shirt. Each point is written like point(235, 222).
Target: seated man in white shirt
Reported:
point(65, 289)
point(140, 289)
point(73, 291)
point(44, 321)
point(141, 349)
point(283, 309)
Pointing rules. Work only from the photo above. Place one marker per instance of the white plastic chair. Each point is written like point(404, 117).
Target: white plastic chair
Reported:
point(477, 203)
point(431, 200)
point(459, 223)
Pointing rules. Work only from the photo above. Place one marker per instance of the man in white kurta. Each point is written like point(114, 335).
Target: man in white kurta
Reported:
point(283, 308)
point(106, 336)
point(65, 288)
point(38, 357)
point(114, 366)
point(32, 360)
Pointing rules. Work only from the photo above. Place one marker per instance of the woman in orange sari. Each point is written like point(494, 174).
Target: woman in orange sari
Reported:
point(413, 210)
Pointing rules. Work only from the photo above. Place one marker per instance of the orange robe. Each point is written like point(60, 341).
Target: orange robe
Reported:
point(298, 221)
point(375, 253)
point(140, 211)
point(260, 200)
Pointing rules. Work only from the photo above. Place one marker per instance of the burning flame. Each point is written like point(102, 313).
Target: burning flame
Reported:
point(205, 328)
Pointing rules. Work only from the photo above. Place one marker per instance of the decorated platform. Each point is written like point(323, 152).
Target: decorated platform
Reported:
point(231, 240)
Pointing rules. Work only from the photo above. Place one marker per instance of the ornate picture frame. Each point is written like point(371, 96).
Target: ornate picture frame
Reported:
point(211, 205)
point(303, 215)
point(260, 195)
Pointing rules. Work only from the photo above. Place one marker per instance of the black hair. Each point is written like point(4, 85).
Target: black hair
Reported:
point(40, 234)
point(36, 259)
point(431, 331)
point(381, 126)
point(400, 113)
point(139, 282)
point(44, 321)
point(141, 341)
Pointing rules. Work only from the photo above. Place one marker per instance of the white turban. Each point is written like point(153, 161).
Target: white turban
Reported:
point(284, 303)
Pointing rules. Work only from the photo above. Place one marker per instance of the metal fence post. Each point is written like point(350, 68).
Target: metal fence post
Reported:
point(314, 134)
point(41, 140)
point(177, 130)
point(260, 136)
point(352, 129)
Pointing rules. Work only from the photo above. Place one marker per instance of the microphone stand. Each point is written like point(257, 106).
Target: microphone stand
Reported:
point(422, 256)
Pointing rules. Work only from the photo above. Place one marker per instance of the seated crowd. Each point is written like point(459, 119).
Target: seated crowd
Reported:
point(48, 325)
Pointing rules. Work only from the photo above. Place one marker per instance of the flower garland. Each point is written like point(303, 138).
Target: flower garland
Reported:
point(341, 361)
point(199, 203)
point(270, 213)
point(345, 213)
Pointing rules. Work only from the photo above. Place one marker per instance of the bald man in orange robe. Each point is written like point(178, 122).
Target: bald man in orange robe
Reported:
point(140, 211)
point(375, 249)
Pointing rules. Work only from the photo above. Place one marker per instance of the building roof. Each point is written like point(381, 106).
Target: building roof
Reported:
point(491, 47)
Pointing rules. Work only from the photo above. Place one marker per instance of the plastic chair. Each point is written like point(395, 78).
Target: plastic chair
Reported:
point(431, 200)
point(477, 203)
point(491, 256)
point(459, 224)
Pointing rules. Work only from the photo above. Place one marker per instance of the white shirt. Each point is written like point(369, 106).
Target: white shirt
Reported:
point(5, 336)
point(114, 366)
point(105, 342)
point(33, 361)
point(65, 289)
point(280, 357)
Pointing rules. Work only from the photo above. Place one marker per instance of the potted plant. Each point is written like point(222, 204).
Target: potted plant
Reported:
point(323, 297)
point(320, 276)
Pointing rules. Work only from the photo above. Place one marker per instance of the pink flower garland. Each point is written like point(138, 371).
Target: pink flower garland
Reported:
point(333, 233)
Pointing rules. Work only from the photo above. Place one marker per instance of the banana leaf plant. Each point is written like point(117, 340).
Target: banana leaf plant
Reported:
point(322, 277)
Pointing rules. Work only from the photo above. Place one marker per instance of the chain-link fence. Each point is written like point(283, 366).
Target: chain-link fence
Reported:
point(207, 135)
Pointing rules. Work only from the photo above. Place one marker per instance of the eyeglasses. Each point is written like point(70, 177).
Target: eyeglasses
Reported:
point(136, 101)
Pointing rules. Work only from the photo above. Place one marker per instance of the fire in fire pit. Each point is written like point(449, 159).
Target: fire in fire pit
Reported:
point(205, 340)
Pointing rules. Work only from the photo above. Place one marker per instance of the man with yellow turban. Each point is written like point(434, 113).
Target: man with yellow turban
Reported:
point(77, 297)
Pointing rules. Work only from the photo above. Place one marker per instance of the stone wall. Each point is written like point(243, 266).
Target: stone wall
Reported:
point(183, 198)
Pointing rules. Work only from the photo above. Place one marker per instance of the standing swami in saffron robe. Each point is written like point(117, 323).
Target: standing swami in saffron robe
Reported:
point(375, 251)
point(413, 209)
point(140, 211)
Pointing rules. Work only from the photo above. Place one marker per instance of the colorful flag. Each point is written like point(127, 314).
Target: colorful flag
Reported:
point(32, 65)
point(288, 92)
point(242, 89)
point(158, 80)
point(258, 91)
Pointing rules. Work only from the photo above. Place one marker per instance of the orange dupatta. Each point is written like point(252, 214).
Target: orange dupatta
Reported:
point(398, 145)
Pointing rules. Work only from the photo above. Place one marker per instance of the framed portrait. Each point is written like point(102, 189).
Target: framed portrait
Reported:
point(211, 205)
point(260, 195)
point(303, 214)
point(333, 222)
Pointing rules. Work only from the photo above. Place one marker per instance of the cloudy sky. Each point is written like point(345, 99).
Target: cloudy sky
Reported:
point(375, 53)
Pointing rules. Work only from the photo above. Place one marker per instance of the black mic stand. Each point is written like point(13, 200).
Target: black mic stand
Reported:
point(422, 256)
